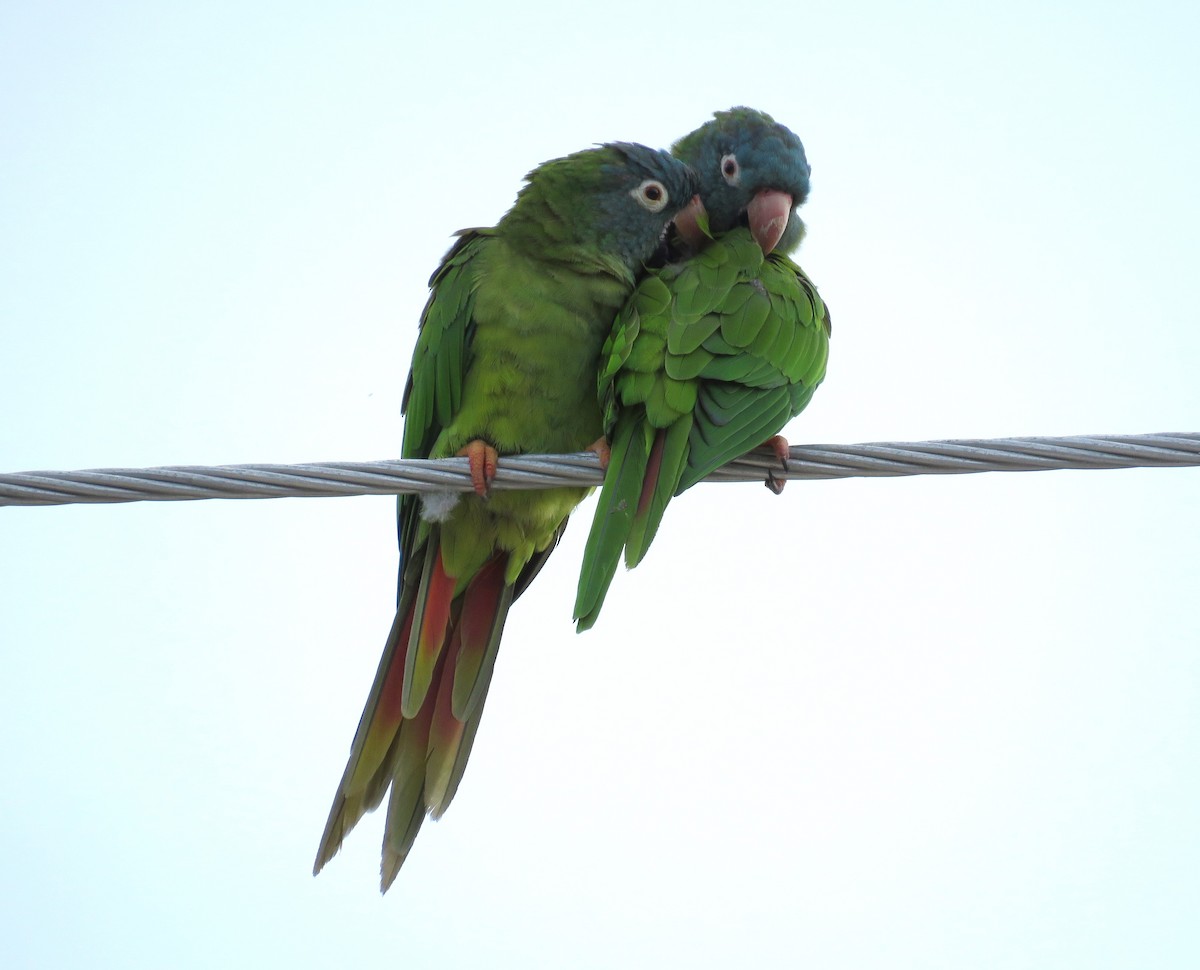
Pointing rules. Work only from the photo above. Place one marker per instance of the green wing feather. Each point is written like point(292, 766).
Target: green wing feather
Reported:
point(709, 359)
point(764, 367)
point(441, 358)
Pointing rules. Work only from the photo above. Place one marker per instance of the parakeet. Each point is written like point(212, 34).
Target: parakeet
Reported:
point(716, 350)
point(505, 363)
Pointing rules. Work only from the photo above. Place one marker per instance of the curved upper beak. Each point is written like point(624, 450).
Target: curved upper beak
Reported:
point(768, 215)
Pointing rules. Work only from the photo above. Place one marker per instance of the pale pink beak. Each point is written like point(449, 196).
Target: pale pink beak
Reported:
point(768, 215)
point(689, 230)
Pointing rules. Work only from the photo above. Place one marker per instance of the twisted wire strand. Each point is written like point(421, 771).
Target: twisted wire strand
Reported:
point(175, 483)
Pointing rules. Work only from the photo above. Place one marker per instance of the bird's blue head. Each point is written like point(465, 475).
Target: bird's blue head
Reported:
point(614, 200)
point(753, 172)
point(644, 190)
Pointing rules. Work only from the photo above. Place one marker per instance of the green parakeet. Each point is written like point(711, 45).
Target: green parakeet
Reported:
point(505, 363)
point(715, 351)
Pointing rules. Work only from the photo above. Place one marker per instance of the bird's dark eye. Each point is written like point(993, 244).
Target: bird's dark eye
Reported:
point(651, 195)
point(730, 169)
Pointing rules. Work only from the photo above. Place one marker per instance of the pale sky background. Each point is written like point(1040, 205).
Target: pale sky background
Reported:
point(925, 723)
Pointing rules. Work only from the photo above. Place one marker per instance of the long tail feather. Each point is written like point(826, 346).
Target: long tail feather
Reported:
point(662, 481)
point(431, 619)
point(367, 773)
point(485, 606)
point(643, 474)
point(464, 682)
point(421, 755)
point(615, 510)
point(445, 731)
point(449, 786)
point(406, 807)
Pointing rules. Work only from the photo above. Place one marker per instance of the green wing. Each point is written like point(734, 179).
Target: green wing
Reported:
point(433, 394)
point(434, 391)
point(736, 341)
point(758, 358)
point(708, 360)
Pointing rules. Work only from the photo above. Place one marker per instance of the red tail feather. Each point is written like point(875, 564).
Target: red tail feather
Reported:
point(653, 466)
point(387, 716)
point(445, 730)
point(387, 712)
point(438, 597)
point(437, 593)
point(463, 681)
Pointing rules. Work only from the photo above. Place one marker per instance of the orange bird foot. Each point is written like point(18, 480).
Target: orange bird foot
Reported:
point(483, 458)
point(781, 449)
point(603, 452)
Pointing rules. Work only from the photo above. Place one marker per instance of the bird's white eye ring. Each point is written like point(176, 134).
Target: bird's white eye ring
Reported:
point(651, 195)
point(730, 170)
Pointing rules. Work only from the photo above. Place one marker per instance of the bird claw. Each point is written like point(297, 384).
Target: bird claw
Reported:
point(782, 450)
point(482, 458)
point(602, 450)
